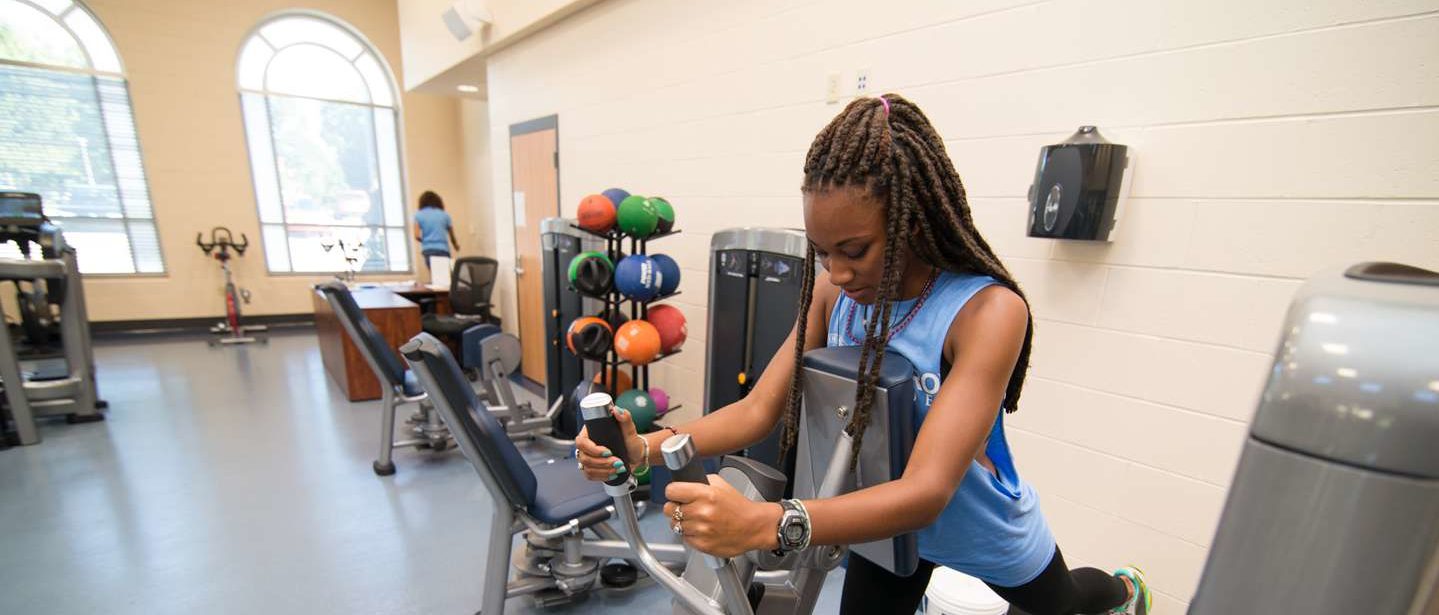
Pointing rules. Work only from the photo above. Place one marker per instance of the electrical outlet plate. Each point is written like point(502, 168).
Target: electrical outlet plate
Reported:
point(862, 82)
point(832, 88)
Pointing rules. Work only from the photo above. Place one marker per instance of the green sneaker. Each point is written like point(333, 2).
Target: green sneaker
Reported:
point(1140, 602)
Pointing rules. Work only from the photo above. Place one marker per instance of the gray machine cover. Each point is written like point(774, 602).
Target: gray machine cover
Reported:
point(1335, 505)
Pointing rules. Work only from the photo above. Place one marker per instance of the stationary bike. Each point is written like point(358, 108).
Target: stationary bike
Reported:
point(232, 332)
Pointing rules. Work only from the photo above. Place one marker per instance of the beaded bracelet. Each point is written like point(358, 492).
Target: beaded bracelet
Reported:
point(644, 465)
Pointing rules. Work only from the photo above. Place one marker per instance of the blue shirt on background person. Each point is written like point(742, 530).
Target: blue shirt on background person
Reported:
point(433, 227)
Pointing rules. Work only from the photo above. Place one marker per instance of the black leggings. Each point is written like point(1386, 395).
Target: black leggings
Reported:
point(1056, 591)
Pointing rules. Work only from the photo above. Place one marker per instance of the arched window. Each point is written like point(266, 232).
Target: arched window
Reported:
point(320, 120)
point(67, 133)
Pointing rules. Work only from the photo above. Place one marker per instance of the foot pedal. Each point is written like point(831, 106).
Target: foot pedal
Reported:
point(618, 575)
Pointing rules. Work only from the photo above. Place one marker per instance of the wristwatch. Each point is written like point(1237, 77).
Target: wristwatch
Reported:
point(793, 532)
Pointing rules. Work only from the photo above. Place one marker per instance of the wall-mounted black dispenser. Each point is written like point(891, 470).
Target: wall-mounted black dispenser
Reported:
point(1077, 187)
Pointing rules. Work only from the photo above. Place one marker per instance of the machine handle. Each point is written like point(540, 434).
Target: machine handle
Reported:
point(682, 459)
point(596, 409)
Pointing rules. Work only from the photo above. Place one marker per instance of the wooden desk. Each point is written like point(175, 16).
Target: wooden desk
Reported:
point(418, 292)
point(397, 318)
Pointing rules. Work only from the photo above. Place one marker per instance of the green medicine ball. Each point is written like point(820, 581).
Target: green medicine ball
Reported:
point(637, 217)
point(591, 273)
point(666, 213)
point(641, 407)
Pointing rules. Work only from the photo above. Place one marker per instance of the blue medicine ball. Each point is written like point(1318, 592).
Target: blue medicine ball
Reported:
point(637, 277)
point(669, 273)
point(616, 195)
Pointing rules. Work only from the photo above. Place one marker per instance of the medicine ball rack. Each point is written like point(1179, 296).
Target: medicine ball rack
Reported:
point(638, 310)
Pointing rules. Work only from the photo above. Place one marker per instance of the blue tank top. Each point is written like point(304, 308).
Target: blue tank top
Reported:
point(434, 228)
point(992, 528)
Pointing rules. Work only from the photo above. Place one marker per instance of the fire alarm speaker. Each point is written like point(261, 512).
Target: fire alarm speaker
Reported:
point(1077, 187)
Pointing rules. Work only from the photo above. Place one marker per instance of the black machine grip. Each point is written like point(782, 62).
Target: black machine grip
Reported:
point(604, 429)
point(692, 472)
point(1393, 273)
point(683, 460)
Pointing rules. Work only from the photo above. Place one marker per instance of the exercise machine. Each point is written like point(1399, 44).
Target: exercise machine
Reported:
point(232, 331)
point(1334, 507)
point(563, 518)
point(494, 355)
point(755, 284)
point(560, 242)
point(398, 386)
point(44, 382)
point(762, 582)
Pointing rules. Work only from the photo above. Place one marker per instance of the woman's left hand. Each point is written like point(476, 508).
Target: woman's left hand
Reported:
point(719, 520)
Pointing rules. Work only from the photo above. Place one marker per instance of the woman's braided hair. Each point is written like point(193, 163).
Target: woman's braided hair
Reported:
point(890, 150)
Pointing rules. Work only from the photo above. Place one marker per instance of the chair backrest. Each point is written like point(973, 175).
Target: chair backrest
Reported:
point(830, 378)
point(478, 434)
point(472, 280)
point(370, 342)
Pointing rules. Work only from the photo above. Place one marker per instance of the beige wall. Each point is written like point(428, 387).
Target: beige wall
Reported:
point(1272, 139)
point(431, 51)
point(179, 57)
point(475, 128)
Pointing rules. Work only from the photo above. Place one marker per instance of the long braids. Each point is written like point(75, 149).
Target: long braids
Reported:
point(889, 149)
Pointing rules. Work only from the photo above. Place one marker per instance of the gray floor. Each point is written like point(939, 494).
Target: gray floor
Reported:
point(237, 480)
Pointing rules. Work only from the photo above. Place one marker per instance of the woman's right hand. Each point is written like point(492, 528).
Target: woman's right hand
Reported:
point(600, 463)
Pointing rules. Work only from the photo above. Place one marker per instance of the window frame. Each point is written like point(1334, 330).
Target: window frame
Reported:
point(265, 95)
point(119, 74)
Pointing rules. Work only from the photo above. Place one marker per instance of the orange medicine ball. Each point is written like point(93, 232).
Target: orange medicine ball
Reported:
point(638, 342)
point(621, 378)
point(597, 213)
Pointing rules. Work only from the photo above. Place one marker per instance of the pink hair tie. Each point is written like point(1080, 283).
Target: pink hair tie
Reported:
point(886, 105)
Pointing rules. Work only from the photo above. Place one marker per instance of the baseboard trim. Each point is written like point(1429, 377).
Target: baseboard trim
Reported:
point(191, 326)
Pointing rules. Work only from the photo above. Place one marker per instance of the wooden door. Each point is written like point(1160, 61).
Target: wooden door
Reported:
point(534, 169)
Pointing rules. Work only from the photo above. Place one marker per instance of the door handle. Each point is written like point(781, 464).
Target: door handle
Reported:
point(519, 271)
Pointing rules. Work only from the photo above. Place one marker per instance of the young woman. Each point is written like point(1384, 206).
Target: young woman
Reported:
point(433, 228)
point(904, 271)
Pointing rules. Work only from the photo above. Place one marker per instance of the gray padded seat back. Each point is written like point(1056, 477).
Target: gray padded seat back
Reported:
point(829, 384)
point(476, 431)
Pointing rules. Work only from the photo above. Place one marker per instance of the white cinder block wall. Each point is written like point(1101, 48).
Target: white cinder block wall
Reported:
point(1272, 140)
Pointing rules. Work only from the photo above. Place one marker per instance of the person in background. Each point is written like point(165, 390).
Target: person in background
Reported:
point(433, 227)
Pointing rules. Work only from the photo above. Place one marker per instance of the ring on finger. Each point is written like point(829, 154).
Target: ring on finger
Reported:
point(678, 529)
point(679, 515)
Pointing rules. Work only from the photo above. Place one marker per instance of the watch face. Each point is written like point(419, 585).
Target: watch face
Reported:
point(794, 532)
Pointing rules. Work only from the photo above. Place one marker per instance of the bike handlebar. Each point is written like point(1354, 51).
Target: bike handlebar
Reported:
point(221, 237)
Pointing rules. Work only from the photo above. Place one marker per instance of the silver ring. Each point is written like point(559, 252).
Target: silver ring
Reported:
point(580, 465)
point(679, 514)
point(677, 529)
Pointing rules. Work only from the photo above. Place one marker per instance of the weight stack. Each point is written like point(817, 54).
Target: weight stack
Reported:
point(560, 241)
point(755, 278)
